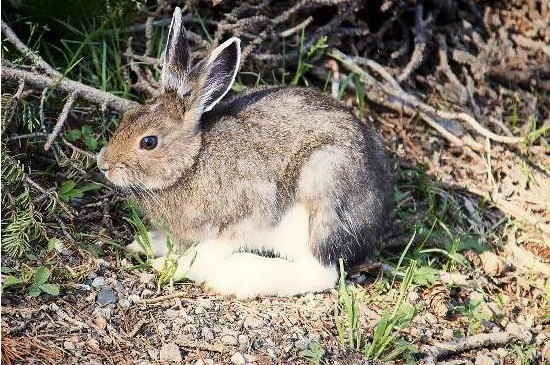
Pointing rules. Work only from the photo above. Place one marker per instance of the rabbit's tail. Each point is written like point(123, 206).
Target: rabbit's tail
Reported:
point(348, 206)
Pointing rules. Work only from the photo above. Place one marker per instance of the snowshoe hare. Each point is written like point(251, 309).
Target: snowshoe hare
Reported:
point(276, 184)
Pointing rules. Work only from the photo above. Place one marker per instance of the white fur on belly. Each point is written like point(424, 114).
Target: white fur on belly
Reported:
point(221, 267)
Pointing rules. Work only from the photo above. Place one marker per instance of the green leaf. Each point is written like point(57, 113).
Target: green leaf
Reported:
point(51, 289)
point(10, 281)
point(34, 291)
point(7, 270)
point(90, 142)
point(66, 186)
point(51, 244)
point(91, 186)
point(425, 275)
point(73, 135)
point(41, 275)
point(87, 130)
point(75, 193)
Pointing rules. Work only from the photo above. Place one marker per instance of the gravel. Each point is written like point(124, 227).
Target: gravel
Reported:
point(170, 352)
point(229, 340)
point(238, 358)
point(98, 281)
point(106, 296)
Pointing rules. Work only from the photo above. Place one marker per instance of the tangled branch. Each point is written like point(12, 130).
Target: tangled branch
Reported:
point(43, 76)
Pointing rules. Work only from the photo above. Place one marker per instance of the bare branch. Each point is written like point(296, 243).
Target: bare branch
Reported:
point(61, 120)
point(442, 350)
point(67, 86)
point(28, 53)
point(390, 89)
point(419, 44)
point(297, 28)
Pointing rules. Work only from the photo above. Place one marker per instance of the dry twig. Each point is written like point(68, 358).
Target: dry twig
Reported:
point(441, 350)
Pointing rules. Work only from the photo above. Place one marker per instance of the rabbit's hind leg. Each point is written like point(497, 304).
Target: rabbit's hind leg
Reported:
point(290, 270)
point(248, 275)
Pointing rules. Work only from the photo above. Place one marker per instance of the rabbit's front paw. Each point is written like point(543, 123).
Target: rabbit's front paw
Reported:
point(158, 245)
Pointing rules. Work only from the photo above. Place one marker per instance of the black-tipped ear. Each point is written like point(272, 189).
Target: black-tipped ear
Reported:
point(176, 56)
point(213, 77)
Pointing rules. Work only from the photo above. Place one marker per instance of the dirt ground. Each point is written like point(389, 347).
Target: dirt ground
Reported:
point(491, 198)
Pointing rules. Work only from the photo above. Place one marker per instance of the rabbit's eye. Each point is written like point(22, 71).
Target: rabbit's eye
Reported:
point(148, 143)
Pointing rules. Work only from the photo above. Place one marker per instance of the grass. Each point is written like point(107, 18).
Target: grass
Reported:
point(391, 324)
point(346, 315)
point(305, 56)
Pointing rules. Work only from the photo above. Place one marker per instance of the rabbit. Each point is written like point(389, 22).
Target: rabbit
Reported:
point(274, 185)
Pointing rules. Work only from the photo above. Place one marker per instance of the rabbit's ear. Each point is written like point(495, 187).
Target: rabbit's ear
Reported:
point(176, 56)
point(213, 77)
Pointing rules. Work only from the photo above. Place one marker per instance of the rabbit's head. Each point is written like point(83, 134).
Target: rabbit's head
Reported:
point(157, 143)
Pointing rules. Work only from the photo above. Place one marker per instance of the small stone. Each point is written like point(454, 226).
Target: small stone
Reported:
point(146, 278)
point(103, 312)
point(238, 358)
point(207, 333)
point(495, 308)
point(170, 352)
point(161, 328)
point(243, 342)
point(134, 298)
point(483, 359)
point(98, 281)
point(229, 340)
point(521, 332)
point(106, 296)
point(253, 323)
point(153, 354)
point(146, 293)
point(302, 344)
point(204, 303)
point(100, 322)
point(200, 310)
point(68, 345)
point(360, 279)
point(491, 263)
point(250, 358)
point(447, 334)
point(93, 344)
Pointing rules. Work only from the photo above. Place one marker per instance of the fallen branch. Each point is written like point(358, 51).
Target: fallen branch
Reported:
point(161, 298)
point(205, 346)
point(61, 120)
point(67, 86)
point(441, 350)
